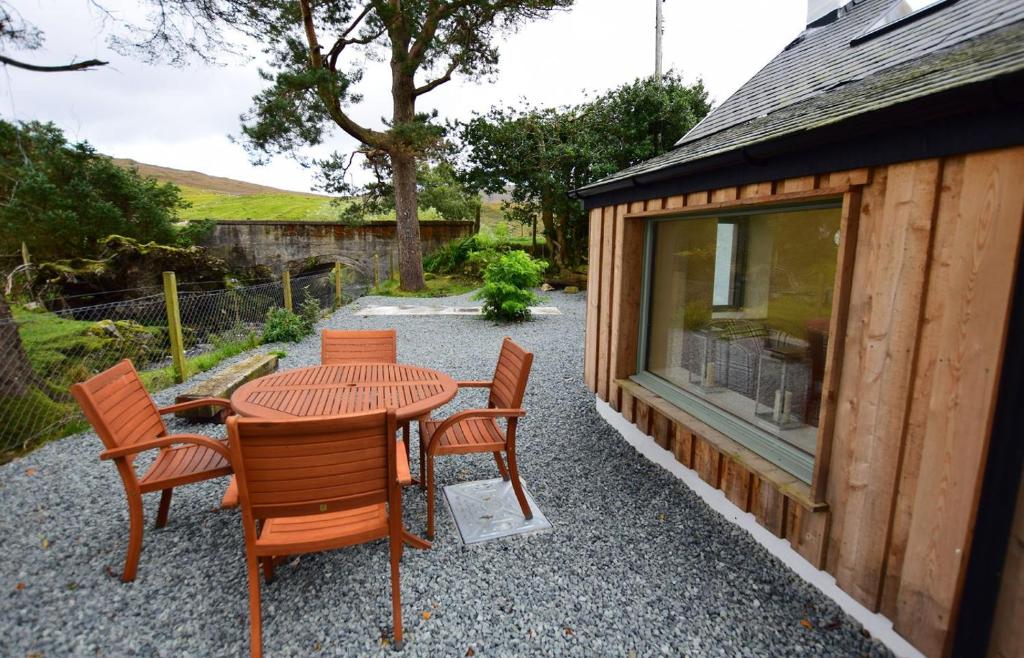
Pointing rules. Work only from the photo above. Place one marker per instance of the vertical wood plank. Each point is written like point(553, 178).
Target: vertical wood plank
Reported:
point(769, 506)
point(673, 202)
point(628, 409)
point(756, 190)
point(725, 194)
point(800, 184)
point(873, 396)
point(642, 417)
point(660, 429)
point(841, 290)
point(968, 355)
point(590, 354)
point(605, 312)
point(736, 483)
point(917, 417)
point(697, 198)
point(707, 462)
point(682, 444)
point(807, 532)
point(627, 271)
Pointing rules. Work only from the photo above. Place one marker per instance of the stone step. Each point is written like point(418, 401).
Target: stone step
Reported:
point(223, 384)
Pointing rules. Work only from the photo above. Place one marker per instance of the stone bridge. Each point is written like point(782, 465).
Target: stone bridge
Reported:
point(303, 245)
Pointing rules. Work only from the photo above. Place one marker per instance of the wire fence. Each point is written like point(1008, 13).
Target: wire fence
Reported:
point(43, 351)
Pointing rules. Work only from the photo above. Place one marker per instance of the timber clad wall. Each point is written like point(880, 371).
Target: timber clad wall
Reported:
point(923, 286)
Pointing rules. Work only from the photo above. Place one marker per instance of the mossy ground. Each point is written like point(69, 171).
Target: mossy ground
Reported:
point(437, 286)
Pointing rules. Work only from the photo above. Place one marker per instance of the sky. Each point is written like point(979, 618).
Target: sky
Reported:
point(184, 117)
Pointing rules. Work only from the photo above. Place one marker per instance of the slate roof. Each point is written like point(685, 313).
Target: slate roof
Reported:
point(821, 79)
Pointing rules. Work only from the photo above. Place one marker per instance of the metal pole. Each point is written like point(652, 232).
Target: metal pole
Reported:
point(658, 28)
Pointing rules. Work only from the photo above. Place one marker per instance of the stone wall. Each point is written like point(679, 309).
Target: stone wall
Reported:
point(302, 245)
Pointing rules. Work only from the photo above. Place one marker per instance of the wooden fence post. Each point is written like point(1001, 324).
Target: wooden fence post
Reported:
point(338, 275)
point(286, 282)
point(174, 326)
point(376, 270)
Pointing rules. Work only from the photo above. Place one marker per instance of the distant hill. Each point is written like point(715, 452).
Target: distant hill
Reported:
point(201, 181)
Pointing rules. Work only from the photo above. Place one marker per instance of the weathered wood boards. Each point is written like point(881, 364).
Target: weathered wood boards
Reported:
point(925, 270)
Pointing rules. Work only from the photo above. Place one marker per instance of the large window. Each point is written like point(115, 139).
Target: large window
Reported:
point(738, 320)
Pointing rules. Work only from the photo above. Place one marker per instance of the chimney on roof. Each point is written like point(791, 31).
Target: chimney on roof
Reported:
point(822, 12)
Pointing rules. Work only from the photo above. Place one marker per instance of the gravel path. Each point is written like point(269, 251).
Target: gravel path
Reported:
point(636, 564)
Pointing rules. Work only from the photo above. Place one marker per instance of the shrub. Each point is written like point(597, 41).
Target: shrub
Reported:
point(310, 312)
point(283, 326)
point(508, 286)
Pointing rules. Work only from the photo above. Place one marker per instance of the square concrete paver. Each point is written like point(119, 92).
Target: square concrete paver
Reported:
point(487, 509)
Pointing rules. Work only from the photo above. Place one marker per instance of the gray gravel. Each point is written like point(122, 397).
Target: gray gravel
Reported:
point(636, 563)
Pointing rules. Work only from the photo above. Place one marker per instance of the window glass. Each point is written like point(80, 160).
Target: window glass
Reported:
point(739, 314)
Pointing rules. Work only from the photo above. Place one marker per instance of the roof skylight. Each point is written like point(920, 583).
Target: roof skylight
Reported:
point(898, 13)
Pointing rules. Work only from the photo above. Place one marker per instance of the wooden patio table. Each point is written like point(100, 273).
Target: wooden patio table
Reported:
point(322, 391)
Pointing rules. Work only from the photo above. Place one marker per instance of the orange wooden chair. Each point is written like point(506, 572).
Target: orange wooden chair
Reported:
point(128, 422)
point(477, 430)
point(338, 347)
point(317, 484)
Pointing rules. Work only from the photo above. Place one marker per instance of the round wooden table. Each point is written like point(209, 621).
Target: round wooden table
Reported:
point(337, 390)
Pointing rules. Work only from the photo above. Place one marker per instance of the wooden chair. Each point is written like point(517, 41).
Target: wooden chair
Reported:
point(477, 430)
point(128, 422)
point(318, 484)
point(339, 347)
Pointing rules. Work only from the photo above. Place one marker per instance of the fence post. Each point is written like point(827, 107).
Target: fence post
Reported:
point(376, 270)
point(391, 264)
point(337, 285)
point(286, 281)
point(174, 325)
point(26, 260)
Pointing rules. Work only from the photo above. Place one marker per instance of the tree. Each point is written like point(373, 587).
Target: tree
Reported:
point(61, 199)
point(317, 50)
point(18, 33)
point(541, 154)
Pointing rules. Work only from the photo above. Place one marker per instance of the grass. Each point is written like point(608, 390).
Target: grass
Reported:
point(437, 286)
point(160, 378)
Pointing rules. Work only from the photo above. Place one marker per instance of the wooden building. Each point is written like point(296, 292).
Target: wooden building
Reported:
point(810, 301)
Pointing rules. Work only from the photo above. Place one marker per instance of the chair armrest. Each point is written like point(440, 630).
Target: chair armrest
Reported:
point(456, 418)
point(195, 404)
point(474, 384)
point(402, 462)
point(163, 442)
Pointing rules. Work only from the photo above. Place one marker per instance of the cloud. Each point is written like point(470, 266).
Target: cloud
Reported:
point(181, 117)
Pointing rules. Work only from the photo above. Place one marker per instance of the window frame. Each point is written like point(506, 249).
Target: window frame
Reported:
point(784, 455)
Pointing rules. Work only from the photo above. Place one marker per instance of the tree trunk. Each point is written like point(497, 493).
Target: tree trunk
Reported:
point(410, 251)
point(16, 374)
point(547, 217)
point(535, 235)
point(476, 221)
point(403, 172)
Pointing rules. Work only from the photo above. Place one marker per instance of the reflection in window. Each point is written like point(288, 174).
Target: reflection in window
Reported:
point(740, 313)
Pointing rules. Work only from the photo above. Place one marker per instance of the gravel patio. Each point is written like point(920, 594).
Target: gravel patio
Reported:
point(636, 564)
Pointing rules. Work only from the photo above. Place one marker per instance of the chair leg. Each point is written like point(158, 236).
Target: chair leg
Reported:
point(268, 569)
point(255, 624)
point(135, 520)
point(501, 465)
point(430, 497)
point(423, 460)
point(165, 507)
point(517, 485)
point(396, 591)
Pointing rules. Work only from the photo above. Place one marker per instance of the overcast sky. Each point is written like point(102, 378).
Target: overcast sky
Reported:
point(182, 117)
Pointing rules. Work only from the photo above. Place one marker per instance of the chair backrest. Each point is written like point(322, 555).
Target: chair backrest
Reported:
point(339, 347)
point(510, 376)
point(310, 466)
point(117, 405)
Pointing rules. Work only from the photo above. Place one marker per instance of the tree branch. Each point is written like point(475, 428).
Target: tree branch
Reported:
point(74, 66)
point(434, 84)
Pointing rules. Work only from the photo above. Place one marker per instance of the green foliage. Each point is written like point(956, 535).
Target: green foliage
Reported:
point(310, 312)
point(508, 286)
point(539, 155)
point(62, 199)
point(284, 326)
point(436, 286)
point(470, 255)
point(193, 232)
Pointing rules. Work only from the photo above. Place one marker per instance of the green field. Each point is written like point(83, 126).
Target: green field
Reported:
point(207, 204)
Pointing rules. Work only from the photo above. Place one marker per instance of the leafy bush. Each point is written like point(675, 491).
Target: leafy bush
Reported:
point(284, 326)
point(450, 257)
point(508, 284)
point(469, 255)
point(310, 312)
point(193, 232)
